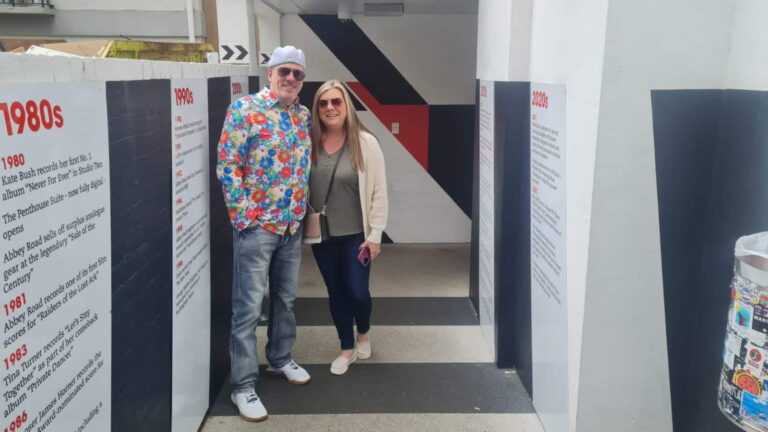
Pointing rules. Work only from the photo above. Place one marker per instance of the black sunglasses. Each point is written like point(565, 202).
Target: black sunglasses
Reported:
point(335, 102)
point(298, 75)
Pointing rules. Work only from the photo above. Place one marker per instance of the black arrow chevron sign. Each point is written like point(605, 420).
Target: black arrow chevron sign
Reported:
point(229, 53)
point(243, 52)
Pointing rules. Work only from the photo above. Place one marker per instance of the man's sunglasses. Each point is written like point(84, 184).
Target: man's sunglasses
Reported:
point(298, 75)
point(336, 102)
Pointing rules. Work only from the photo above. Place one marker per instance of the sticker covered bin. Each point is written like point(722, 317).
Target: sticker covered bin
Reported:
point(743, 392)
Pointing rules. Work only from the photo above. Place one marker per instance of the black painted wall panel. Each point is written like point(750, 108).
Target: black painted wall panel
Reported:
point(685, 149)
point(253, 84)
point(308, 90)
point(221, 240)
point(451, 133)
point(139, 115)
point(710, 193)
point(738, 206)
point(474, 288)
point(513, 225)
point(512, 243)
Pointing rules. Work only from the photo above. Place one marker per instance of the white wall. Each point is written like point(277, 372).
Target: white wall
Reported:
point(649, 45)
point(236, 23)
point(567, 43)
point(748, 63)
point(563, 43)
point(503, 40)
point(435, 53)
point(268, 29)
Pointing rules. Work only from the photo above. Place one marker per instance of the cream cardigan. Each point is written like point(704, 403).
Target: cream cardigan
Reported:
point(372, 183)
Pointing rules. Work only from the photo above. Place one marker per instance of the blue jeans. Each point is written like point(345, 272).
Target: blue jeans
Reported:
point(261, 259)
point(347, 283)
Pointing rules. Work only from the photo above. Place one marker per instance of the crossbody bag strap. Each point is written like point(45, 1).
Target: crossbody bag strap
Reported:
point(333, 175)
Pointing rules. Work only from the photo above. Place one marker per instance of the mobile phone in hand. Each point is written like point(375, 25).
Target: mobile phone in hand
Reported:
point(364, 256)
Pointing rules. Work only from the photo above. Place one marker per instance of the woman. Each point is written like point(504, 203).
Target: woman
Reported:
point(355, 203)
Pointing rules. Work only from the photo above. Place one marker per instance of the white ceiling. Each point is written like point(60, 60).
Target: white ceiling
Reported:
point(331, 7)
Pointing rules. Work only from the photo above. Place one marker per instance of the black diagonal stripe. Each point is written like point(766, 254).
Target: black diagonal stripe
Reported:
point(451, 129)
point(386, 239)
point(366, 62)
point(308, 90)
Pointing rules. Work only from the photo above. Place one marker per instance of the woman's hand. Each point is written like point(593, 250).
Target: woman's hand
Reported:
point(375, 248)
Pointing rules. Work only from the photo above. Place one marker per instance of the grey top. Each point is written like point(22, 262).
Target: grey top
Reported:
point(343, 209)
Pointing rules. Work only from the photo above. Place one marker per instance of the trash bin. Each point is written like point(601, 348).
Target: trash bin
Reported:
point(743, 393)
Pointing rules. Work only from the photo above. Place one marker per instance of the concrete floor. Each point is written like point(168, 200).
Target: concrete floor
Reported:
point(422, 270)
point(430, 369)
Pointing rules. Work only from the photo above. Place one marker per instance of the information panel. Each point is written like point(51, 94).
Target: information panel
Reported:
point(486, 228)
point(548, 265)
point(191, 253)
point(55, 359)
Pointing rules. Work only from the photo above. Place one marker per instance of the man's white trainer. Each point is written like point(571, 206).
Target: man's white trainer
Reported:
point(250, 406)
point(295, 373)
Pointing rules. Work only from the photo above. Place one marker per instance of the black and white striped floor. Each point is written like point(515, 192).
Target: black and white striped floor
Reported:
point(430, 369)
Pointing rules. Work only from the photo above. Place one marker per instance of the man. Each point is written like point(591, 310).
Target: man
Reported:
point(263, 167)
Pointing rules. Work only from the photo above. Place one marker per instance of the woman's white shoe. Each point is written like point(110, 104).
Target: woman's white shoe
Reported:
point(341, 364)
point(364, 349)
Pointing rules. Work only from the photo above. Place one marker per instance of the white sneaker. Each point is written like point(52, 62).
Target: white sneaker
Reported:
point(341, 364)
point(364, 349)
point(250, 406)
point(295, 373)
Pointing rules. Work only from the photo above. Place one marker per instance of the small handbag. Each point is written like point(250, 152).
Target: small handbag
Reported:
point(312, 231)
point(316, 223)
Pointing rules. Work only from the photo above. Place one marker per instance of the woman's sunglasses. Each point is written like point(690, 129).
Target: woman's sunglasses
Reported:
point(298, 75)
point(336, 102)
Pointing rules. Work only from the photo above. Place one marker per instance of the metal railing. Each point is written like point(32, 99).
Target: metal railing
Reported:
point(28, 3)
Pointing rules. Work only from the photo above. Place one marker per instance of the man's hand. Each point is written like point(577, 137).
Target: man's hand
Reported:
point(375, 248)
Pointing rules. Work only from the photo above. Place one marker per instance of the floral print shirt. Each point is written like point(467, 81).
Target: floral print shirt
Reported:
point(263, 162)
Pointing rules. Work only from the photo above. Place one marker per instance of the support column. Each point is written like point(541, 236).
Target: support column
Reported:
point(268, 33)
point(237, 33)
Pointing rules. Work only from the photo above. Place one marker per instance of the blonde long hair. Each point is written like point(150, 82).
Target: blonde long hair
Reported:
point(352, 125)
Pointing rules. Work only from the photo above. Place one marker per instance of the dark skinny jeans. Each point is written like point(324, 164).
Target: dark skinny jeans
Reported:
point(347, 283)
